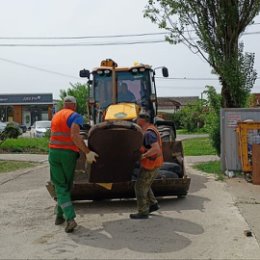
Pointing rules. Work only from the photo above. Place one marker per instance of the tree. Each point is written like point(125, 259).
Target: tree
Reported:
point(217, 25)
point(81, 93)
point(205, 114)
point(252, 101)
point(11, 131)
point(191, 117)
point(212, 123)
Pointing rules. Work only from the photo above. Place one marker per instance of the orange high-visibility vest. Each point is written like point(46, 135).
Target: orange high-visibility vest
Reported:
point(60, 132)
point(155, 161)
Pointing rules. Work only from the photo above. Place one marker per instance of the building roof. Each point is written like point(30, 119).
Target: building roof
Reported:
point(164, 102)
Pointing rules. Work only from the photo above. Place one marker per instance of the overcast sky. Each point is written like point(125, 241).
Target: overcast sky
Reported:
point(69, 18)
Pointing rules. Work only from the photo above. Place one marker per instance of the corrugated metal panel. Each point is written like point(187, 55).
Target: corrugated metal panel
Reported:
point(229, 147)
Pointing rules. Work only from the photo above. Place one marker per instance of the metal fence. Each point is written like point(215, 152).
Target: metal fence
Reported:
point(229, 143)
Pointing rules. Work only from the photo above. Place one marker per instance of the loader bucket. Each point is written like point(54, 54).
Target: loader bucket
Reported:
point(117, 143)
point(83, 190)
point(171, 181)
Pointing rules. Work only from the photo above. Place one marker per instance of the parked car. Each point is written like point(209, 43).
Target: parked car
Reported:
point(39, 128)
point(2, 126)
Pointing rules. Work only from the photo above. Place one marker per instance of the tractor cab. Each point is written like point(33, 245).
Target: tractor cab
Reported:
point(112, 85)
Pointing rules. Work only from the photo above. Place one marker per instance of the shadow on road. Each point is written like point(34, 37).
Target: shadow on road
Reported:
point(170, 203)
point(191, 202)
point(198, 182)
point(155, 233)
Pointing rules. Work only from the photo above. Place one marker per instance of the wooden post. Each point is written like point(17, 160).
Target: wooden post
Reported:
point(256, 164)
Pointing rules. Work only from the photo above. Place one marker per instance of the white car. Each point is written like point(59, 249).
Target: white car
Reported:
point(39, 128)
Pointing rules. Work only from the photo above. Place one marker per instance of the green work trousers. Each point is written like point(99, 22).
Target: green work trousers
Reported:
point(144, 194)
point(62, 167)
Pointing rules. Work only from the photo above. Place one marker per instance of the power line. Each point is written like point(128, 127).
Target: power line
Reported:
point(250, 33)
point(97, 36)
point(188, 78)
point(83, 37)
point(70, 76)
point(197, 88)
point(39, 69)
point(80, 44)
point(180, 87)
point(93, 43)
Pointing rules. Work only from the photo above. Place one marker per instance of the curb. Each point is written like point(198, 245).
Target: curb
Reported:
point(9, 176)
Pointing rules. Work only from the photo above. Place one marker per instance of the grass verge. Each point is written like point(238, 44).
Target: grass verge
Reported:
point(185, 131)
point(25, 145)
point(9, 166)
point(198, 146)
point(212, 167)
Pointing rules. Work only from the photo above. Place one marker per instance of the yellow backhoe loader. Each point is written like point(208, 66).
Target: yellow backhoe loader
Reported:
point(117, 95)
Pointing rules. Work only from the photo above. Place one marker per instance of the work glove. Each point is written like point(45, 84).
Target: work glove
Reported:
point(91, 156)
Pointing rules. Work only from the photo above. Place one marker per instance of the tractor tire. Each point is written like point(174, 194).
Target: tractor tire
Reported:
point(163, 175)
point(166, 129)
point(172, 167)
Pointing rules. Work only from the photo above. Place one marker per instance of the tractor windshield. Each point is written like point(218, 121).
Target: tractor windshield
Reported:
point(131, 87)
point(103, 90)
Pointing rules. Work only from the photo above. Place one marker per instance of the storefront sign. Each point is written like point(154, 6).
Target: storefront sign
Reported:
point(26, 99)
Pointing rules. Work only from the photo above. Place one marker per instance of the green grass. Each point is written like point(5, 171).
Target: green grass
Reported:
point(212, 167)
point(9, 166)
point(25, 145)
point(195, 146)
point(198, 146)
point(186, 132)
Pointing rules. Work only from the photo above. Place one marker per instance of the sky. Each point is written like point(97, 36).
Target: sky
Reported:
point(57, 67)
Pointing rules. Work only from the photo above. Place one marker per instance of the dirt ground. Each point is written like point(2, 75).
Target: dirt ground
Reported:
point(208, 224)
point(247, 198)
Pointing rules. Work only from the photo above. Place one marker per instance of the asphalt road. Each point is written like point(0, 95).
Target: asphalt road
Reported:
point(207, 224)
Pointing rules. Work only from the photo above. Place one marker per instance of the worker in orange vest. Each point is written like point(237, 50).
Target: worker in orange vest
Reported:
point(151, 160)
point(65, 143)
